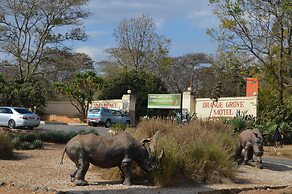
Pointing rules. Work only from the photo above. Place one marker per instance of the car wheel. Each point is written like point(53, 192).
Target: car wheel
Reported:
point(107, 123)
point(128, 123)
point(11, 124)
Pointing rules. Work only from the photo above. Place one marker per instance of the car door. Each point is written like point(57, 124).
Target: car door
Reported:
point(5, 116)
point(2, 116)
point(114, 117)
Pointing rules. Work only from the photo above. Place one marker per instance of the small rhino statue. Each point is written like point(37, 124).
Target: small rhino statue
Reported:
point(250, 144)
point(107, 152)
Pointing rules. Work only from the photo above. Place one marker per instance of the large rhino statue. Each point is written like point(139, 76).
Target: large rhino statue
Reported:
point(250, 144)
point(107, 152)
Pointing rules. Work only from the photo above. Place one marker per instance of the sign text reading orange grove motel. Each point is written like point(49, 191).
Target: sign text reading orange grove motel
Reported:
point(226, 107)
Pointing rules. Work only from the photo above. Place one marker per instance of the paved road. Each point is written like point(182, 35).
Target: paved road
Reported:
point(72, 127)
point(277, 163)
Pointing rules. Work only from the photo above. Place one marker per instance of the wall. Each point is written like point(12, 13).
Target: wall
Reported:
point(67, 109)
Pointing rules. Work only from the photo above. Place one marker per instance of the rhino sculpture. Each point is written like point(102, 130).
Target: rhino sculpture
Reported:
point(250, 144)
point(107, 152)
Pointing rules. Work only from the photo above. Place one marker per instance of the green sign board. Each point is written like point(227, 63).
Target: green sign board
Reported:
point(164, 101)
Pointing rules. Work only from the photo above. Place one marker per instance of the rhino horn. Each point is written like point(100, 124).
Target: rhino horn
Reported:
point(161, 155)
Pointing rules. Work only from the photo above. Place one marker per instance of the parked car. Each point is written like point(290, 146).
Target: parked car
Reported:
point(106, 117)
point(14, 117)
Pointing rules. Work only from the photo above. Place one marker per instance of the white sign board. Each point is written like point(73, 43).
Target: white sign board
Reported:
point(226, 107)
point(112, 104)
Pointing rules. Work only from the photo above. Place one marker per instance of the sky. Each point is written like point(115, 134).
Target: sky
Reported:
point(184, 22)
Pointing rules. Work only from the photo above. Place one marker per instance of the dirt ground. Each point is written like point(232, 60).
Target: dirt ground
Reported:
point(40, 172)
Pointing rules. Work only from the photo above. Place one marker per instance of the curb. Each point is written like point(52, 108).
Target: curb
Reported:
point(238, 190)
point(60, 123)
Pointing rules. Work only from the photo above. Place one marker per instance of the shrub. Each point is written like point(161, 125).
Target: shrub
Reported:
point(6, 146)
point(198, 152)
point(119, 127)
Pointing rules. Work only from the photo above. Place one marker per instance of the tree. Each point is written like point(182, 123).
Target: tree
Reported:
point(262, 28)
point(139, 46)
point(186, 65)
point(16, 92)
point(27, 27)
point(81, 90)
point(63, 64)
point(141, 83)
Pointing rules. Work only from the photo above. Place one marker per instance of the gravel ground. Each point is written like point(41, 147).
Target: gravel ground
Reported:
point(39, 171)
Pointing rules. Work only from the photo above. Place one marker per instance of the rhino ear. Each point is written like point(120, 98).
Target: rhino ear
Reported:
point(256, 134)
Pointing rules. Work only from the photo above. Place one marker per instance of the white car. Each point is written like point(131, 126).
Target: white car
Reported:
point(14, 117)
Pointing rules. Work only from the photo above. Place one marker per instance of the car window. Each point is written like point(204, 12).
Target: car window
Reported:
point(107, 111)
point(119, 113)
point(22, 111)
point(114, 112)
point(2, 110)
point(94, 111)
point(6, 111)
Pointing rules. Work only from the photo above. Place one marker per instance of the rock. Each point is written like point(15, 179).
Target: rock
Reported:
point(34, 188)
point(1, 183)
point(43, 188)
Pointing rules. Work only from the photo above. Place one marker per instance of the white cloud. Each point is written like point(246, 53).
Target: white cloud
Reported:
point(94, 52)
point(104, 11)
point(96, 34)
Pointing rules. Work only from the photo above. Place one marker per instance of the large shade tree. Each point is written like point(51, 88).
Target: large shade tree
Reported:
point(141, 83)
point(262, 29)
point(139, 46)
point(187, 65)
point(27, 27)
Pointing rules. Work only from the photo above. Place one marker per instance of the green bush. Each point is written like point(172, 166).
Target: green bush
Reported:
point(6, 146)
point(34, 140)
point(119, 127)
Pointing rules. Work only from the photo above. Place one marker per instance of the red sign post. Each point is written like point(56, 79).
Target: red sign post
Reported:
point(252, 86)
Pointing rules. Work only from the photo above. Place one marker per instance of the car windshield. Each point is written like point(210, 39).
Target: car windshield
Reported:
point(94, 111)
point(22, 111)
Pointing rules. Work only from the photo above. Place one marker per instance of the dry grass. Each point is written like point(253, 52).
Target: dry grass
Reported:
point(199, 152)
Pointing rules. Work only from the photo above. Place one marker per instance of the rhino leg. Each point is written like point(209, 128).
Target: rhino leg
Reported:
point(73, 174)
point(82, 167)
point(126, 170)
point(245, 155)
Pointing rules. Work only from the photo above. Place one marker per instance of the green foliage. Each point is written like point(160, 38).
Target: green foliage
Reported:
point(140, 83)
point(29, 93)
point(61, 136)
point(6, 146)
point(81, 90)
point(43, 20)
point(270, 109)
point(199, 152)
point(268, 129)
point(34, 140)
point(119, 127)
point(26, 141)
point(240, 122)
point(247, 36)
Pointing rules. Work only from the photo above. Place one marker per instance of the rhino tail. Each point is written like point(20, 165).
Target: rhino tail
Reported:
point(63, 156)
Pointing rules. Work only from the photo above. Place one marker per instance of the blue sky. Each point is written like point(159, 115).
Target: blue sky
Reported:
point(184, 22)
